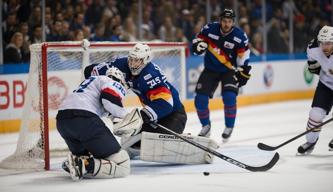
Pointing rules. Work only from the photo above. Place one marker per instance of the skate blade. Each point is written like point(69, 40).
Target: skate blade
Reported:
point(330, 149)
point(304, 154)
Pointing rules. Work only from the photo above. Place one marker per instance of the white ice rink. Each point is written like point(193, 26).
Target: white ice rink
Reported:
point(270, 123)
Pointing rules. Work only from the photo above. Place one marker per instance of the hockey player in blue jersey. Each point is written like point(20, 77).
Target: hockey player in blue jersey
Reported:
point(226, 60)
point(160, 100)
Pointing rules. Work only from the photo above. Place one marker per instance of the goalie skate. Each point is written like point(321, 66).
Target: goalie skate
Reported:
point(76, 167)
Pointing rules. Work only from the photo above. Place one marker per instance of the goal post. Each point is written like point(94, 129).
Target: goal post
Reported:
point(55, 70)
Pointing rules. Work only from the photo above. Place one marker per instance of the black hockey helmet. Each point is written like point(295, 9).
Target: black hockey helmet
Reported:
point(227, 13)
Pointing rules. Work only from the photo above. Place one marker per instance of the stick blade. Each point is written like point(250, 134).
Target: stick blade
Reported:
point(265, 147)
point(268, 166)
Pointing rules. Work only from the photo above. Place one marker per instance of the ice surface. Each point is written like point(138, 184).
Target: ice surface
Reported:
point(270, 123)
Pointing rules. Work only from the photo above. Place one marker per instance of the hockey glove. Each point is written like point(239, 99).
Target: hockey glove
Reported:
point(144, 116)
point(130, 125)
point(243, 75)
point(314, 67)
point(199, 46)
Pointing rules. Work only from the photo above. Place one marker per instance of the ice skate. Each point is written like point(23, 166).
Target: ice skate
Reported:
point(205, 131)
point(306, 148)
point(64, 166)
point(76, 167)
point(226, 134)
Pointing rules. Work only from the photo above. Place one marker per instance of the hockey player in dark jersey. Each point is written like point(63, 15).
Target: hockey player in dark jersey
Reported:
point(226, 60)
point(160, 100)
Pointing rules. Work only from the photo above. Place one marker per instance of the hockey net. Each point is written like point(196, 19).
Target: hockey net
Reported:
point(56, 69)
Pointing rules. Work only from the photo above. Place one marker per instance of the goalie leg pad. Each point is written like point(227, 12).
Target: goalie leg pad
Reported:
point(114, 166)
point(170, 149)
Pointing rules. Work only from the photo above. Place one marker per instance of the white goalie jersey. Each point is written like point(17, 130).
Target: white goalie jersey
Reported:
point(326, 63)
point(98, 94)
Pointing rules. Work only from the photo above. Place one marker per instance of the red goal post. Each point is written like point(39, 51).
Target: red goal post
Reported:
point(55, 70)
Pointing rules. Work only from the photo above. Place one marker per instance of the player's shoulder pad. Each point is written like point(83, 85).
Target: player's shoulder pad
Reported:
point(313, 43)
point(151, 70)
point(210, 27)
point(240, 36)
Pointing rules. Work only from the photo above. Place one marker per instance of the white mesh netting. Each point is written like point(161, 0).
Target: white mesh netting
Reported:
point(65, 64)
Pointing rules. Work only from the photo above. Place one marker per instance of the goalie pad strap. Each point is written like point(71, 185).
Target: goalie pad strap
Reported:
point(170, 149)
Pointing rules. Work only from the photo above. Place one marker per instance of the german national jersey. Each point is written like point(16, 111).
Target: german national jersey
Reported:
point(98, 94)
point(156, 94)
point(315, 54)
point(225, 51)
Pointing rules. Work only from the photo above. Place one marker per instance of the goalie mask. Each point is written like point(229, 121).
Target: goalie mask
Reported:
point(115, 74)
point(138, 58)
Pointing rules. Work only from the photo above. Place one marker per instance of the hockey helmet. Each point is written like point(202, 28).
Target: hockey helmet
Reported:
point(325, 34)
point(139, 57)
point(227, 13)
point(115, 74)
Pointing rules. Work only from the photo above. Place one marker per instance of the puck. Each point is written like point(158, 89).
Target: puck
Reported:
point(206, 173)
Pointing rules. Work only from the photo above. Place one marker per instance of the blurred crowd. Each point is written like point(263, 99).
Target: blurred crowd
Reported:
point(167, 20)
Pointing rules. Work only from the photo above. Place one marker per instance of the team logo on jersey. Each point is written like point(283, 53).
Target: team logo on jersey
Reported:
point(238, 40)
point(229, 45)
point(331, 71)
point(268, 76)
point(213, 36)
point(146, 77)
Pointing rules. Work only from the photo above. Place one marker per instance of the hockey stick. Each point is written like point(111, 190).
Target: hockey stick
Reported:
point(271, 148)
point(221, 156)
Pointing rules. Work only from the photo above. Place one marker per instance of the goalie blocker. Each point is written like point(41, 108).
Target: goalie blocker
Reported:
point(170, 149)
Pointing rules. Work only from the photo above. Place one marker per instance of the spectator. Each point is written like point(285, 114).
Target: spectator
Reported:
point(9, 27)
point(99, 33)
point(86, 32)
point(13, 50)
point(117, 33)
point(129, 30)
point(167, 31)
point(78, 35)
point(36, 16)
point(56, 33)
point(24, 29)
point(78, 22)
point(37, 34)
point(94, 13)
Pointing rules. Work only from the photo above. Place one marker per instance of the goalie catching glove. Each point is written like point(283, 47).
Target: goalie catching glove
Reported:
point(243, 74)
point(199, 46)
point(130, 125)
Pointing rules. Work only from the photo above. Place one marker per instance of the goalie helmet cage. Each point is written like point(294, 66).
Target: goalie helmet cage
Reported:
point(55, 70)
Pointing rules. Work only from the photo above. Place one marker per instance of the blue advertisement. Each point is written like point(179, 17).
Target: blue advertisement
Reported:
point(194, 66)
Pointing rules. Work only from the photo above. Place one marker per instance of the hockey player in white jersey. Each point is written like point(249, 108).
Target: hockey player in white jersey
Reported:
point(320, 62)
point(95, 152)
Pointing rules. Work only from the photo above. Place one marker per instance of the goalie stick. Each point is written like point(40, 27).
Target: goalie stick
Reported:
point(266, 167)
point(265, 147)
